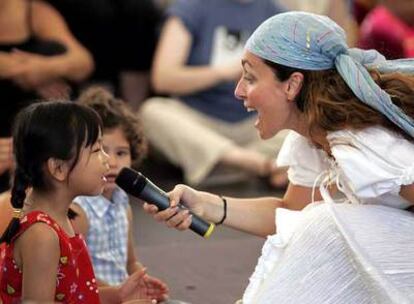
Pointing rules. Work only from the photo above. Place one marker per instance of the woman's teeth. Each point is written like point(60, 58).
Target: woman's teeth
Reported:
point(250, 109)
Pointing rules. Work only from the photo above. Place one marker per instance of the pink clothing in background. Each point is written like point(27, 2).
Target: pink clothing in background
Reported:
point(385, 32)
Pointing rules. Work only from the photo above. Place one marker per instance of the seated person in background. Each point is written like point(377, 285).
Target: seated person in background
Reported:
point(338, 10)
point(197, 62)
point(360, 8)
point(6, 214)
point(6, 161)
point(122, 61)
point(106, 220)
point(39, 57)
point(6, 210)
point(389, 28)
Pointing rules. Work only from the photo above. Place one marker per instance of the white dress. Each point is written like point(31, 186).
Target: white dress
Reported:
point(358, 248)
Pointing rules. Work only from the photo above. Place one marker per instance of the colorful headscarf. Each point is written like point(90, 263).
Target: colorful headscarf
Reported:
point(313, 42)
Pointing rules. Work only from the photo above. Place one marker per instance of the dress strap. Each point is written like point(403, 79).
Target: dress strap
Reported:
point(34, 217)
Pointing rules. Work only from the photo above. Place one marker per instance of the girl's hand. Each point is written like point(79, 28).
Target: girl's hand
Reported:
point(157, 289)
point(135, 288)
point(139, 302)
point(174, 216)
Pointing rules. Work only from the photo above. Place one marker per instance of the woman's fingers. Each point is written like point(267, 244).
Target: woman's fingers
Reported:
point(149, 208)
point(174, 216)
point(178, 218)
point(176, 195)
point(185, 223)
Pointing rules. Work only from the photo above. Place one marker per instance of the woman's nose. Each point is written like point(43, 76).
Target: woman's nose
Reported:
point(238, 92)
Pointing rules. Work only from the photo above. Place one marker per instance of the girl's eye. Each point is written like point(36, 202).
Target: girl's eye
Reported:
point(123, 153)
point(97, 149)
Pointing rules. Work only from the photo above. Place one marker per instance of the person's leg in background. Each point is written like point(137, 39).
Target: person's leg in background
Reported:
point(198, 144)
point(138, 25)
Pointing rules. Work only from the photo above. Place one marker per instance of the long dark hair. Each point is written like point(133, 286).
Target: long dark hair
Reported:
point(45, 130)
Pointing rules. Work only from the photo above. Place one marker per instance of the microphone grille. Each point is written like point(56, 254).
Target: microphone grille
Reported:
point(131, 181)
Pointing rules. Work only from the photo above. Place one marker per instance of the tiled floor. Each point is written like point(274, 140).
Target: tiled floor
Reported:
point(213, 271)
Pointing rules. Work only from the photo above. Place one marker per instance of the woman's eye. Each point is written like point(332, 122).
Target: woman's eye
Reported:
point(248, 79)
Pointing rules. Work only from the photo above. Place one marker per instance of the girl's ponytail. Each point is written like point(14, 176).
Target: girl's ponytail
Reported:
point(20, 185)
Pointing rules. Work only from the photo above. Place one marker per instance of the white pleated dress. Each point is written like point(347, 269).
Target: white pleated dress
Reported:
point(354, 248)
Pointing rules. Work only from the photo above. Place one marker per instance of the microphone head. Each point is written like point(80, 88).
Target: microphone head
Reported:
point(131, 181)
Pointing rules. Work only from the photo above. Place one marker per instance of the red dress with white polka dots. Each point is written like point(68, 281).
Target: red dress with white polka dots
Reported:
point(75, 281)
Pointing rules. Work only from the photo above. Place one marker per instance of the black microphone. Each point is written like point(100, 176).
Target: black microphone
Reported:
point(138, 185)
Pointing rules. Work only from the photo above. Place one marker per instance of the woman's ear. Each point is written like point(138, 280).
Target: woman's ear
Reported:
point(294, 85)
point(58, 169)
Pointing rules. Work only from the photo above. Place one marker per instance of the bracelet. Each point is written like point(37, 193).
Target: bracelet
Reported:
point(224, 211)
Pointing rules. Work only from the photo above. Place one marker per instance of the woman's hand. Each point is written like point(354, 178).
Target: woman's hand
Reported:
point(173, 216)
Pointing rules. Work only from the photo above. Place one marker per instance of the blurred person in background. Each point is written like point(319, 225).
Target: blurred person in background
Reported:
point(39, 58)
point(121, 35)
point(389, 28)
point(338, 10)
point(360, 8)
point(200, 127)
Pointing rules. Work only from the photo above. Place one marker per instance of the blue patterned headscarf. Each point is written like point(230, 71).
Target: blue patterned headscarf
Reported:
point(313, 42)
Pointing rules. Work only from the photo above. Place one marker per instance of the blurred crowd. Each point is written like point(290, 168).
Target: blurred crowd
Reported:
point(174, 64)
point(158, 50)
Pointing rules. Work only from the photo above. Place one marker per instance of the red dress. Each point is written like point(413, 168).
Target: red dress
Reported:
point(75, 281)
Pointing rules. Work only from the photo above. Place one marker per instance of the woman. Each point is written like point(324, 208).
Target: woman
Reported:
point(352, 114)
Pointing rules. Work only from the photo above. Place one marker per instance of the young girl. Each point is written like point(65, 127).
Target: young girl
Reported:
point(106, 220)
point(59, 155)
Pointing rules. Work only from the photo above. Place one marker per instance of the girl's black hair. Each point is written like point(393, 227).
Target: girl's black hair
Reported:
point(55, 129)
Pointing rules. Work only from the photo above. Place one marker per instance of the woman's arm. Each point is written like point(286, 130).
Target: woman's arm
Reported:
point(252, 215)
point(257, 216)
point(77, 63)
point(171, 75)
